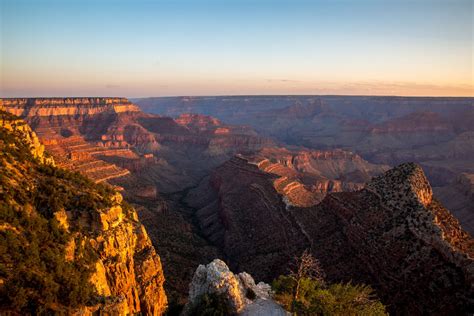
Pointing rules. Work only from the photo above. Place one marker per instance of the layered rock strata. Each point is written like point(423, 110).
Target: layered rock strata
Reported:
point(95, 230)
point(392, 234)
point(306, 176)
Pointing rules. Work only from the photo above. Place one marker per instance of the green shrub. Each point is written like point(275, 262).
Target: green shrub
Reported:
point(318, 298)
point(33, 265)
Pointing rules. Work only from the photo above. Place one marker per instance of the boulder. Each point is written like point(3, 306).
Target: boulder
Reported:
point(240, 292)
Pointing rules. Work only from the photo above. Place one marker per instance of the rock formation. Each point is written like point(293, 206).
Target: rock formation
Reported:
point(101, 136)
point(240, 211)
point(37, 107)
point(393, 234)
point(21, 129)
point(306, 176)
point(240, 292)
point(86, 230)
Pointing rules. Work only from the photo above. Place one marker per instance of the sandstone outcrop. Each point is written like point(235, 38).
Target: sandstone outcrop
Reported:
point(128, 270)
point(240, 292)
point(85, 229)
point(19, 127)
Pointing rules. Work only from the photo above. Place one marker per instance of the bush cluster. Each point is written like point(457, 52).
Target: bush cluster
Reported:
point(317, 298)
point(33, 267)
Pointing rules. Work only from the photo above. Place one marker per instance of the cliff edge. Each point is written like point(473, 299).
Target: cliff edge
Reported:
point(68, 245)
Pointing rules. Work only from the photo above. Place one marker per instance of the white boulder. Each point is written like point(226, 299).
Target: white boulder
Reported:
point(240, 292)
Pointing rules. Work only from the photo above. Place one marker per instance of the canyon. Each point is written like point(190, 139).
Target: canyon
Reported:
point(436, 133)
point(392, 234)
point(256, 181)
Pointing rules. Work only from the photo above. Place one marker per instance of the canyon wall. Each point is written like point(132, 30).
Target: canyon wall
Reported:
point(95, 256)
point(392, 234)
point(35, 107)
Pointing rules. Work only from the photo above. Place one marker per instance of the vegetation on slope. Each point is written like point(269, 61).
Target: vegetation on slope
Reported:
point(35, 271)
point(318, 298)
point(304, 292)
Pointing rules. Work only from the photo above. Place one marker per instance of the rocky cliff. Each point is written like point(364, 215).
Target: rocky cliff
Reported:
point(16, 126)
point(395, 235)
point(68, 245)
point(239, 292)
point(392, 234)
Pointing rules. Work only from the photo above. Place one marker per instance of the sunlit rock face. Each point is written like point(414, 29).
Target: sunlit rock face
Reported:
point(408, 178)
point(216, 278)
point(126, 275)
point(197, 121)
point(130, 267)
point(57, 118)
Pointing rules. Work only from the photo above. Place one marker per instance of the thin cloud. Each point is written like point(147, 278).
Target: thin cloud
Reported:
point(284, 80)
point(112, 86)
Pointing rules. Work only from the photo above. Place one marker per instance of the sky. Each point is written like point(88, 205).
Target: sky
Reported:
point(140, 48)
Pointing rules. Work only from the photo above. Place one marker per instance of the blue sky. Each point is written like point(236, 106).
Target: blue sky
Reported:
point(152, 48)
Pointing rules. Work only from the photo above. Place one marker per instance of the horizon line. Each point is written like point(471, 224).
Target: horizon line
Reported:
point(242, 95)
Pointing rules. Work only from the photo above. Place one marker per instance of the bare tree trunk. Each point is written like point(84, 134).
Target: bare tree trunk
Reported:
point(297, 291)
